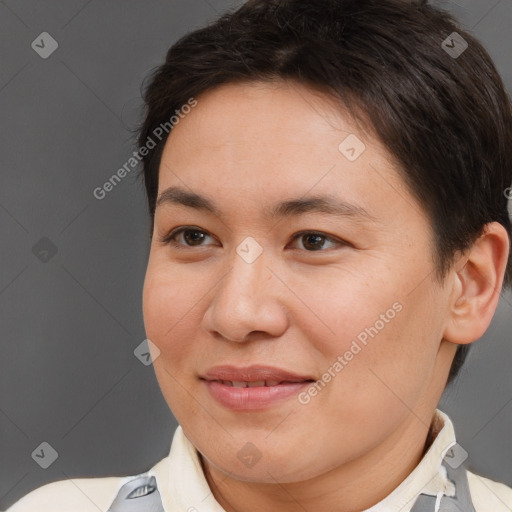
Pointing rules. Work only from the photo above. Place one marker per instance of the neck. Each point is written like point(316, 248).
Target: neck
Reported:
point(354, 486)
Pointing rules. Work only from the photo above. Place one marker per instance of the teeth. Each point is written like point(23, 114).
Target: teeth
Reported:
point(256, 383)
point(253, 384)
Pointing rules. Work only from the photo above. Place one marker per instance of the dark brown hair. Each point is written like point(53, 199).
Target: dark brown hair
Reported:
point(445, 119)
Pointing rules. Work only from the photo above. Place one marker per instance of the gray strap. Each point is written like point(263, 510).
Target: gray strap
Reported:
point(461, 502)
point(138, 495)
point(141, 495)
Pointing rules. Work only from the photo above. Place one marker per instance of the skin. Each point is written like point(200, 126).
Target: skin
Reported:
point(247, 147)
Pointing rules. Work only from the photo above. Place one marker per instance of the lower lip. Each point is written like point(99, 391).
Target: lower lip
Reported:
point(249, 399)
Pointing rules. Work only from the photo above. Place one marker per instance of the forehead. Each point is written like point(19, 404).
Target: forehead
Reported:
point(274, 140)
point(269, 114)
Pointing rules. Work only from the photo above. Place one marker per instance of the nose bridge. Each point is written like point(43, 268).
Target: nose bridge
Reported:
point(246, 283)
point(246, 298)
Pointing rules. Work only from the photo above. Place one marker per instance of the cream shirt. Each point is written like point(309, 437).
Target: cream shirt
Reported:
point(183, 486)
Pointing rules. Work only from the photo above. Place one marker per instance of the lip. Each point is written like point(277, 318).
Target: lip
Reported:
point(253, 373)
point(252, 398)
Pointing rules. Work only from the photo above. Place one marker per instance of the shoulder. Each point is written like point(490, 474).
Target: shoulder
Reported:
point(488, 495)
point(72, 495)
point(95, 494)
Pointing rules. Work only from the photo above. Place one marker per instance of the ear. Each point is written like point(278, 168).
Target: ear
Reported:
point(477, 285)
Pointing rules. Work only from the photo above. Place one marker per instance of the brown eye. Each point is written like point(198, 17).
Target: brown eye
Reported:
point(186, 237)
point(314, 241)
point(193, 236)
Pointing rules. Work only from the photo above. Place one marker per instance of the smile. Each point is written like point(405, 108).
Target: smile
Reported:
point(253, 384)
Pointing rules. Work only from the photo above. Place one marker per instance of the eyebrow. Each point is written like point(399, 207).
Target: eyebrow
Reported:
point(291, 207)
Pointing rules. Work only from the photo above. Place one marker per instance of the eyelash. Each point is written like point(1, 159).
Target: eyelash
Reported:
point(168, 239)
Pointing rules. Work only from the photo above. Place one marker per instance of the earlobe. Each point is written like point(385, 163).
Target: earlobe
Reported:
point(477, 285)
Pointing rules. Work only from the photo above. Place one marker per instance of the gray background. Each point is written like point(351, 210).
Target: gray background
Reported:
point(70, 325)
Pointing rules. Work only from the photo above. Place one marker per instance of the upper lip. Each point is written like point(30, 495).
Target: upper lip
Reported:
point(253, 373)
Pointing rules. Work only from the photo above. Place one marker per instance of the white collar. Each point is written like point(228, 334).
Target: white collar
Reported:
point(429, 476)
point(183, 485)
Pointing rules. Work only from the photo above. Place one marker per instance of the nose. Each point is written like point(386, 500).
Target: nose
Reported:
point(247, 303)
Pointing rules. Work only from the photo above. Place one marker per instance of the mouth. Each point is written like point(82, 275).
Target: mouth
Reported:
point(252, 388)
point(253, 376)
point(258, 383)
point(253, 395)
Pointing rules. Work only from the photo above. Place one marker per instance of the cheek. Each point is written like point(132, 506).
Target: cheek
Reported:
point(345, 307)
point(170, 308)
point(374, 337)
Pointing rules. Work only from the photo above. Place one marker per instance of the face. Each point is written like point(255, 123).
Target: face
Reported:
point(337, 296)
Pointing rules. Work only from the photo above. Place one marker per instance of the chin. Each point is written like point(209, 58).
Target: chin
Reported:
point(271, 465)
